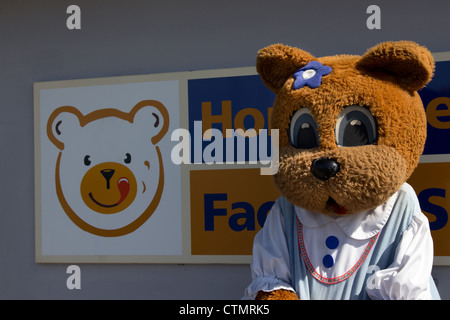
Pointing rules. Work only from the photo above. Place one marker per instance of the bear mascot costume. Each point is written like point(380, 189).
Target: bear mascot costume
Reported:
point(351, 131)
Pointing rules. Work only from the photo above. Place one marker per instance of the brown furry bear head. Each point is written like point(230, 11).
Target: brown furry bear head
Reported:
point(352, 128)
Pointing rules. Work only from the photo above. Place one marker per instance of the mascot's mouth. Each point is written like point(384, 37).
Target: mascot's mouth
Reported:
point(124, 187)
point(336, 207)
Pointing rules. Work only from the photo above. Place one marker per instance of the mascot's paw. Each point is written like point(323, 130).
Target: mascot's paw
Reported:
point(277, 295)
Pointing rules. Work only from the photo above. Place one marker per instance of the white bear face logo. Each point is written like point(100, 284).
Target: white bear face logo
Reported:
point(109, 173)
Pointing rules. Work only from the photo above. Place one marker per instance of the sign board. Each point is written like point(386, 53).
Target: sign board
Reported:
point(431, 179)
point(150, 168)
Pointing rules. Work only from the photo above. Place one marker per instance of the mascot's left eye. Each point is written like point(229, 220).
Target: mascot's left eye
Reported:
point(355, 127)
point(303, 130)
point(128, 158)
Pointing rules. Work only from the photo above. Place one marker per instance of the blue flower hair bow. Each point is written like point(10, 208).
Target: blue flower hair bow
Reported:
point(310, 75)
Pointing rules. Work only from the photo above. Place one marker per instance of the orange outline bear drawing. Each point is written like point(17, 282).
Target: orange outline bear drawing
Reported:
point(109, 173)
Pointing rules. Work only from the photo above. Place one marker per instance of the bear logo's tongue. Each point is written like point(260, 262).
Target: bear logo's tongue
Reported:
point(124, 188)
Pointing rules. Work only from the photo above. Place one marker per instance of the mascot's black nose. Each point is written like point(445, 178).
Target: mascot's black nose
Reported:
point(324, 168)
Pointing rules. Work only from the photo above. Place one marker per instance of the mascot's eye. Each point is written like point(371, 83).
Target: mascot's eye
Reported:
point(87, 160)
point(355, 127)
point(128, 158)
point(303, 130)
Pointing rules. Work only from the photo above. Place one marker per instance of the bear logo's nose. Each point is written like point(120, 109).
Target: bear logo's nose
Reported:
point(325, 168)
point(107, 174)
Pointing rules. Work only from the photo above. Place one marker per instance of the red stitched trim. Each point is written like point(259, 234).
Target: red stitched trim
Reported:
point(334, 280)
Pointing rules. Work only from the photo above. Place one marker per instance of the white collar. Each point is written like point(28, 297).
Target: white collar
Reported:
point(359, 226)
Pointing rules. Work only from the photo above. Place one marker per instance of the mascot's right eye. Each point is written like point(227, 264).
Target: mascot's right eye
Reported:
point(87, 160)
point(303, 130)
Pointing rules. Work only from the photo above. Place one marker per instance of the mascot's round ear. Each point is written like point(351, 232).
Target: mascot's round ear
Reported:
point(411, 64)
point(277, 62)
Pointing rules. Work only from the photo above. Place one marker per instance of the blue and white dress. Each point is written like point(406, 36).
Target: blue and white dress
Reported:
point(384, 253)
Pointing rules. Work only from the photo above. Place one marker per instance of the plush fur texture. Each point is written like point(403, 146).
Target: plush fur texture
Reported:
point(277, 295)
point(384, 81)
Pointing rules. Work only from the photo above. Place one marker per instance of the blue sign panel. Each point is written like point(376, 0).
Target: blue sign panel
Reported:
point(244, 102)
point(229, 103)
point(436, 100)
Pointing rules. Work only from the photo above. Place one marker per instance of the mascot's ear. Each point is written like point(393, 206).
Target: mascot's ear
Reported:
point(276, 63)
point(411, 64)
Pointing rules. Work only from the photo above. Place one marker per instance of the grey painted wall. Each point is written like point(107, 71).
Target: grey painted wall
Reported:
point(138, 37)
